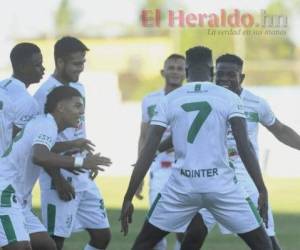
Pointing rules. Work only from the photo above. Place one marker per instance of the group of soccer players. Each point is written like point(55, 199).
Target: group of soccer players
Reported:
point(200, 142)
point(43, 136)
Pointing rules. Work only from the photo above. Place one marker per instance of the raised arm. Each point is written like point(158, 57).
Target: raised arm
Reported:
point(248, 156)
point(144, 161)
point(43, 157)
point(285, 134)
point(80, 144)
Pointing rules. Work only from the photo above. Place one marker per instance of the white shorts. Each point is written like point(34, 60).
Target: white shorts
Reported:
point(173, 211)
point(210, 221)
point(160, 172)
point(12, 226)
point(32, 222)
point(61, 218)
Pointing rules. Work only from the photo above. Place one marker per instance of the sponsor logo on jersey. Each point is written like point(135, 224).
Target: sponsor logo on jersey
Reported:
point(151, 111)
point(166, 164)
point(199, 173)
point(252, 116)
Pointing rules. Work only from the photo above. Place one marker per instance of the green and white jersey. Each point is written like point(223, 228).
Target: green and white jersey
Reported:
point(257, 110)
point(199, 114)
point(161, 167)
point(148, 109)
point(7, 117)
point(25, 105)
point(80, 182)
point(18, 174)
point(149, 103)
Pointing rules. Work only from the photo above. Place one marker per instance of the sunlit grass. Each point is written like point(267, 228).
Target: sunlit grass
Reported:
point(284, 198)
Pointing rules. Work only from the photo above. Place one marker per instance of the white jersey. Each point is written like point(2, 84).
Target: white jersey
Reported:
point(198, 114)
point(7, 117)
point(80, 182)
point(25, 105)
point(257, 111)
point(164, 160)
point(18, 174)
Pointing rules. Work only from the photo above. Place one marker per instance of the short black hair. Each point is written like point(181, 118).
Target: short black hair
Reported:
point(59, 94)
point(198, 55)
point(21, 53)
point(230, 58)
point(175, 56)
point(68, 45)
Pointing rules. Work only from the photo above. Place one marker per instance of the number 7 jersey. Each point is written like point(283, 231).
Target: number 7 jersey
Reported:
point(198, 114)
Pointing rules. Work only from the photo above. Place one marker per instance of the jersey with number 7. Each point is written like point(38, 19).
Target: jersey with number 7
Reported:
point(199, 114)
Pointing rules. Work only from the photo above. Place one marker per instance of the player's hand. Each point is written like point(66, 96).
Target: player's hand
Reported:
point(126, 216)
point(138, 193)
point(92, 162)
point(64, 189)
point(83, 144)
point(263, 206)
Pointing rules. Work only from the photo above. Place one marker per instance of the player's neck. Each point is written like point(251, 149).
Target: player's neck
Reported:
point(21, 78)
point(198, 79)
point(59, 78)
point(169, 88)
point(239, 92)
point(59, 122)
point(199, 75)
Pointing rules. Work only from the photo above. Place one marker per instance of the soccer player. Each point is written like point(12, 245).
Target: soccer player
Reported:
point(27, 64)
point(229, 74)
point(69, 199)
point(174, 74)
point(199, 114)
point(33, 144)
point(7, 113)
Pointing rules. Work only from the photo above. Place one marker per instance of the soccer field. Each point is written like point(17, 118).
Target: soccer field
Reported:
point(283, 196)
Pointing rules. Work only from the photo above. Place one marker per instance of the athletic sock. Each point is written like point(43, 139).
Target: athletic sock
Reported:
point(89, 247)
point(177, 245)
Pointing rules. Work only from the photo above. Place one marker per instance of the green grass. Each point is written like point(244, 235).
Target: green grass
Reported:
point(284, 198)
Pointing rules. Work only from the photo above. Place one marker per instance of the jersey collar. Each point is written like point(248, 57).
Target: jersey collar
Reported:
point(18, 82)
point(51, 117)
point(53, 79)
point(242, 93)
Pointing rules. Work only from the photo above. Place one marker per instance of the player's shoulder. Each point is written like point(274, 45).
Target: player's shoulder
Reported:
point(50, 83)
point(153, 96)
point(5, 82)
point(43, 120)
point(13, 86)
point(251, 98)
point(79, 86)
point(46, 87)
point(4, 96)
point(202, 88)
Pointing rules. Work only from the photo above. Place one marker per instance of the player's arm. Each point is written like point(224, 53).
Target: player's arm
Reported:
point(248, 156)
point(80, 144)
point(142, 138)
point(43, 157)
point(165, 145)
point(285, 134)
point(143, 134)
point(144, 161)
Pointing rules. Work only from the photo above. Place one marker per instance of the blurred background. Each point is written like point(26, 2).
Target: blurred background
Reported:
point(125, 60)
